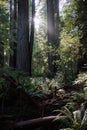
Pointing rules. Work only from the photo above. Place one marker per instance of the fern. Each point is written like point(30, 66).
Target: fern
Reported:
point(84, 120)
point(66, 112)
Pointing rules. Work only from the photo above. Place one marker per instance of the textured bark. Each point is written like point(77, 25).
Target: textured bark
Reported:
point(23, 50)
point(57, 32)
point(1, 54)
point(51, 35)
point(13, 32)
point(32, 34)
point(82, 24)
point(56, 18)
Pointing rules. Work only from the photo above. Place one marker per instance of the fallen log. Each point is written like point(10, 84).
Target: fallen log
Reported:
point(20, 90)
point(39, 122)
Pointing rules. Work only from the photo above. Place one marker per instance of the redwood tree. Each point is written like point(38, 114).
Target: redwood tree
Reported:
point(81, 21)
point(23, 47)
point(32, 33)
point(13, 32)
point(53, 33)
point(57, 33)
point(50, 24)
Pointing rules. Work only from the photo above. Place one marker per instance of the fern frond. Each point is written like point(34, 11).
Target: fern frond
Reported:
point(66, 112)
point(84, 120)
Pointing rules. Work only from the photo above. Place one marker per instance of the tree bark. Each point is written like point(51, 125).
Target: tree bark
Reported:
point(57, 33)
point(82, 24)
point(32, 34)
point(1, 54)
point(56, 18)
point(35, 123)
point(23, 47)
point(51, 35)
point(13, 32)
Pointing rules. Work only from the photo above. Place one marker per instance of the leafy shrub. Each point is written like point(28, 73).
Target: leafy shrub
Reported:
point(78, 122)
point(78, 96)
point(81, 80)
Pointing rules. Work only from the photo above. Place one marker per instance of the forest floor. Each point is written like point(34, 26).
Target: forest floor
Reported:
point(19, 110)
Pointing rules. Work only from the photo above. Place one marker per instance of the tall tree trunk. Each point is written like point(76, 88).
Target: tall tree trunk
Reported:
point(53, 34)
point(13, 32)
point(57, 41)
point(82, 24)
point(50, 24)
point(23, 47)
point(56, 19)
point(1, 54)
point(32, 34)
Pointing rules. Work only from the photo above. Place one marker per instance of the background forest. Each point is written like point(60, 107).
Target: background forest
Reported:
point(43, 64)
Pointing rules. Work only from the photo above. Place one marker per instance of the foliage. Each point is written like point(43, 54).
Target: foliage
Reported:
point(39, 58)
point(72, 48)
point(77, 122)
point(84, 120)
point(81, 79)
point(44, 84)
point(68, 56)
point(73, 39)
point(4, 27)
point(78, 13)
point(12, 72)
point(69, 42)
point(35, 86)
point(79, 97)
point(39, 64)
